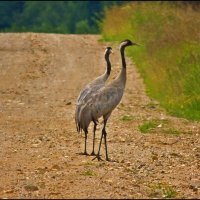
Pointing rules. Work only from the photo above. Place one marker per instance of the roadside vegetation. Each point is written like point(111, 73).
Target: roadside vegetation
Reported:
point(169, 56)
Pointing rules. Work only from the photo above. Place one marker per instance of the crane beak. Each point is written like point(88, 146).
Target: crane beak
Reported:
point(136, 44)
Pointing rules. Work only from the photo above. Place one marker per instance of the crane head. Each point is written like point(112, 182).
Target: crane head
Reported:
point(127, 42)
point(108, 50)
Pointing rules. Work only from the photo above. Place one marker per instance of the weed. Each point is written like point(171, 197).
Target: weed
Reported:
point(161, 190)
point(126, 118)
point(172, 131)
point(89, 173)
point(152, 105)
point(88, 163)
point(146, 127)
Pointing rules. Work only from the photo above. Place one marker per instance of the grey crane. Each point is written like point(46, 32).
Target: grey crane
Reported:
point(104, 101)
point(87, 92)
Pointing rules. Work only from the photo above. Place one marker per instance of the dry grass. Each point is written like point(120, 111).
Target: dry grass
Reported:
point(169, 58)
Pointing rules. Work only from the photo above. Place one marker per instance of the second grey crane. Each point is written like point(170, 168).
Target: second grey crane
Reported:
point(88, 91)
point(104, 101)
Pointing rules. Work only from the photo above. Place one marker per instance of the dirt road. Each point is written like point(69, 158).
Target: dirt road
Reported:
point(41, 76)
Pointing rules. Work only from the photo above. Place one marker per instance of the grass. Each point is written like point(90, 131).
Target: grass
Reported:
point(126, 118)
point(89, 172)
point(148, 126)
point(169, 56)
point(173, 131)
point(88, 163)
point(163, 125)
point(161, 190)
point(152, 105)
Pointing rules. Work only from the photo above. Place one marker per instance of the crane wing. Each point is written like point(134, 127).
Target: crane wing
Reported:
point(105, 100)
point(87, 93)
point(100, 104)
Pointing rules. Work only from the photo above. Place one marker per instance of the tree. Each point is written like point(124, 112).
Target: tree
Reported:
point(53, 16)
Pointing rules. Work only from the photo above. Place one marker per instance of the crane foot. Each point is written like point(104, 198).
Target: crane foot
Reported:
point(108, 159)
point(98, 157)
point(93, 154)
point(85, 153)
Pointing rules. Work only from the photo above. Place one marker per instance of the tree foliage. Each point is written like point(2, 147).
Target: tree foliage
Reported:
point(53, 16)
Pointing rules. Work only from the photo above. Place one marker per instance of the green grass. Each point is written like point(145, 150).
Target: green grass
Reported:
point(173, 131)
point(126, 118)
point(169, 56)
point(151, 125)
point(148, 126)
point(89, 173)
point(161, 190)
point(88, 163)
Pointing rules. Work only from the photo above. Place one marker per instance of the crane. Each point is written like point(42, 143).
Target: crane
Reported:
point(89, 90)
point(104, 101)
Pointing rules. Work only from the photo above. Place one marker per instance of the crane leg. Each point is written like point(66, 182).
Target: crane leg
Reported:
point(105, 141)
point(98, 154)
point(95, 125)
point(103, 135)
point(85, 152)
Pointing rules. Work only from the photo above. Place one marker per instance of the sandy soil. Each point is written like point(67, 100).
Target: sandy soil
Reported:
point(41, 76)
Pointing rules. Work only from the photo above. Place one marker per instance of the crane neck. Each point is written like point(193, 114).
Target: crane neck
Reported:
point(122, 75)
point(108, 69)
point(122, 49)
